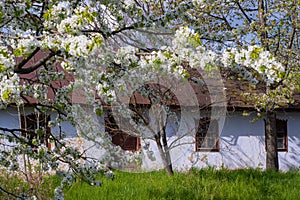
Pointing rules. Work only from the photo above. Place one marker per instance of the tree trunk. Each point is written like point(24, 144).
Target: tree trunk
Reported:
point(271, 141)
point(169, 167)
point(263, 24)
point(165, 156)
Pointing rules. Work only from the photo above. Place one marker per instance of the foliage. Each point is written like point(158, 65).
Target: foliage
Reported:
point(195, 184)
point(252, 27)
point(20, 187)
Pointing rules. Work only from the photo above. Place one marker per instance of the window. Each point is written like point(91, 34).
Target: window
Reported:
point(124, 140)
point(281, 131)
point(36, 127)
point(281, 134)
point(207, 136)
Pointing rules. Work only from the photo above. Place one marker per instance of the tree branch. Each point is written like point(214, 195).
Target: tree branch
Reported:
point(122, 29)
point(24, 61)
point(263, 25)
point(243, 11)
point(12, 131)
point(292, 38)
point(12, 194)
point(41, 62)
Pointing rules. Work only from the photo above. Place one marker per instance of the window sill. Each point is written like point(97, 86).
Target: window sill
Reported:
point(282, 150)
point(207, 150)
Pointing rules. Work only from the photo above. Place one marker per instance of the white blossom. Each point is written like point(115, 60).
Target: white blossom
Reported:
point(255, 58)
point(9, 88)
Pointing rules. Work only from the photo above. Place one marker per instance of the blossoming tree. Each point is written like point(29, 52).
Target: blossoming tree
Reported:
point(262, 42)
point(99, 44)
point(103, 44)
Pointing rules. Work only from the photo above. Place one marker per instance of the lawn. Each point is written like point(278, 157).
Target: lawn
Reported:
point(195, 184)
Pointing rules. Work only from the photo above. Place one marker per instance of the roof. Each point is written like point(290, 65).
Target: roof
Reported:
point(33, 77)
point(202, 89)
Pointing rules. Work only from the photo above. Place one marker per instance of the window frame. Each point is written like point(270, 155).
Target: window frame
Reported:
point(33, 119)
point(285, 133)
point(116, 134)
point(208, 122)
point(285, 138)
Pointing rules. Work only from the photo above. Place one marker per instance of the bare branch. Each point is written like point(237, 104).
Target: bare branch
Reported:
point(12, 194)
point(243, 11)
point(24, 61)
point(41, 62)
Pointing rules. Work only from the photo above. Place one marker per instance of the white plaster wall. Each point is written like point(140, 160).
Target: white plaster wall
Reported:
point(90, 142)
point(241, 142)
point(9, 118)
point(242, 145)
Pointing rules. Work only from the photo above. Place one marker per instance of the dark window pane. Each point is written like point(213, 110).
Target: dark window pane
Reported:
point(119, 138)
point(280, 143)
point(207, 135)
point(32, 123)
point(281, 131)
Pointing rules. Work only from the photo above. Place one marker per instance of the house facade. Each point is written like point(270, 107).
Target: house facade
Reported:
point(231, 142)
point(238, 144)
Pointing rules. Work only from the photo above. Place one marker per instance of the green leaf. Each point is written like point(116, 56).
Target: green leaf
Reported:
point(61, 15)
point(99, 112)
point(105, 89)
point(98, 40)
point(133, 65)
point(68, 47)
point(6, 94)
point(34, 141)
point(263, 68)
point(195, 41)
point(186, 74)
point(245, 113)
point(255, 53)
point(68, 28)
point(208, 67)
point(90, 47)
point(157, 62)
point(18, 13)
point(281, 75)
point(1, 16)
point(120, 17)
point(2, 68)
point(39, 132)
point(47, 16)
point(167, 55)
point(18, 52)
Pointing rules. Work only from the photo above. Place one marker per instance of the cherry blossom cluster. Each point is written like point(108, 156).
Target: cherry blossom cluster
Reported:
point(188, 46)
point(7, 61)
point(56, 14)
point(257, 59)
point(10, 90)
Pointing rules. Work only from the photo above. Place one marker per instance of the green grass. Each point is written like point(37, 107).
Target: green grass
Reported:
point(14, 184)
point(195, 184)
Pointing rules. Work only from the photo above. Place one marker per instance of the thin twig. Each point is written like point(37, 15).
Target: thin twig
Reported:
point(12, 194)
